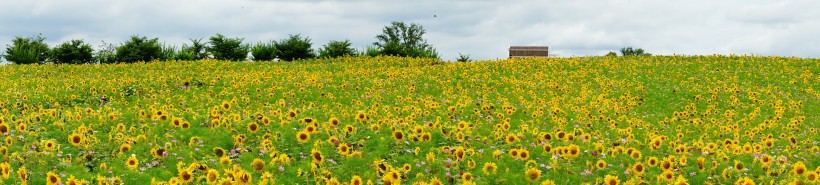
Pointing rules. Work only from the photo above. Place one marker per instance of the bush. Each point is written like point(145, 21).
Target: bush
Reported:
point(224, 48)
point(140, 49)
point(337, 49)
point(611, 54)
point(29, 50)
point(264, 51)
point(72, 52)
point(169, 52)
point(294, 48)
point(107, 54)
point(463, 58)
point(628, 51)
point(195, 51)
point(399, 39)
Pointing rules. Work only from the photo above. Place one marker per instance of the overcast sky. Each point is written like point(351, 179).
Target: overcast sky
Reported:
point(483, 29)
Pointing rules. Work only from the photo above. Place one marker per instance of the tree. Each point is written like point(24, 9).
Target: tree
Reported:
point(224, 48)
point(402, 40)
point(294, 48)
point(139, 49)
point(107, 54)
point(264, 51)
point(195, 51)
point(628, 51)
point(72, 52)
point(336, 49)
point(28, 50)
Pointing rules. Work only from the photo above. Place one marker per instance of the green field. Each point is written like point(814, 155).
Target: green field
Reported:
point(391, 120)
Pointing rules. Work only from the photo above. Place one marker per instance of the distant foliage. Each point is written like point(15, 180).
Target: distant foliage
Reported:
point(400, 39)
point(139, 49)
point(264, 51)
point(463, 58)
point(224, 48)
point(337, 49)
point(106, 54)
point(628, 51)
point(27, 50)
point(294, 48)
point(195, 51)
point(73, 52)
point(611, 54)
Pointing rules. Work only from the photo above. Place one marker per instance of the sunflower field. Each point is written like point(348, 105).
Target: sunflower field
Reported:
point(393, 120)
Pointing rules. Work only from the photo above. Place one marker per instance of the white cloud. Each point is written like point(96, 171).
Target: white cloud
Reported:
point(482, 28)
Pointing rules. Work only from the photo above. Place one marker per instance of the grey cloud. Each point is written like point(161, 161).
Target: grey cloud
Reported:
point(484, 28)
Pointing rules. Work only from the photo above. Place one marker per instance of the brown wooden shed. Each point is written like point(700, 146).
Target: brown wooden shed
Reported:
point(529, 51)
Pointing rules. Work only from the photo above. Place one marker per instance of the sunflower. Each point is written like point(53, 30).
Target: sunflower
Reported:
point(253, 127)
point(302, 136)
point(132, 163)
point(601, 164)
point(5, 170)
point(72, 181)
point(398, 135)
point(52, 178)
point(467, 177)
point(523, 154)
point(611, 180)
point(652, 161)
point(159, 153)
point(666, 176)
point(533, 174)
point(459, 153)
point(799, 168)
point(317, 157)
point(738, 165)
point(185, 175)
point(22, 174)
point(49, 145)
point(811, 176)
point(573, 151)
point(219, 151)
point(343, 149)
point(124, 148)
point(212, 176)
point(514, 153)
point(226, 105)
point(510, 138)
point(391, 177)
point(548, 182)
point(430, 156)
point(356, 180)
point(489, 168)
point(350, 129)
point(638, 168)
point(176, 122)
point(242, 178)
point(4, 128)
point(258, 165)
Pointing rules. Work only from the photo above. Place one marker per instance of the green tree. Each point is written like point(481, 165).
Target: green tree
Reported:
point(337, 49)
point(28, 50)
point(224, 48)
point(139, 49)
point(628, 51)
point(106, 54)
point(294, 48)
point(195, 51)
point(402, 40)
point(72, 52)
point(264, 51)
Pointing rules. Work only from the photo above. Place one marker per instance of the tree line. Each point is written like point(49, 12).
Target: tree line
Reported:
point(396, 39)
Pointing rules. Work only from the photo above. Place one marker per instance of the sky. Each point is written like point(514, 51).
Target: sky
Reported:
point(482, 29)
